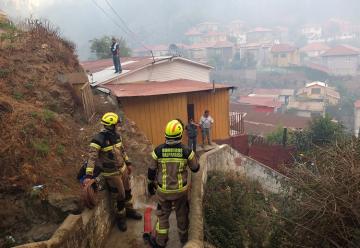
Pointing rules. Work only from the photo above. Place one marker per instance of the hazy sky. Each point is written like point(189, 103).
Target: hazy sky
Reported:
point(164, 21)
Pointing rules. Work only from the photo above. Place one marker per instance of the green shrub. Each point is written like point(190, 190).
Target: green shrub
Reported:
point(48, 116)
point(41, 146)
point(29, 85)
point(237, 212)
point(18, 95)
point(60, 149)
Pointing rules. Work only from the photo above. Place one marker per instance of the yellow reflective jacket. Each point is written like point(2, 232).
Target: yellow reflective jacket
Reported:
point(170, 167)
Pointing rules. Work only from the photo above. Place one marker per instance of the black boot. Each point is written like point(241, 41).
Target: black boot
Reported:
point(152, 242)
point(121, 224)
point(133, 214)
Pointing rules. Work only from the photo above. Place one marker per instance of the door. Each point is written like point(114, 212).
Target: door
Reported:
point(190, 111)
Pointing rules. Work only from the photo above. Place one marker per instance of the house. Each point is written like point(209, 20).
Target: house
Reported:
point(307, 108)
point(319, 92)
point(255, 53)
point(157, 50)
point(139, 69)
point(222, 49)
point(260, 35)
point(264, 123)
point(203, 52)
point(342, 60)
point(206, 27)
point(214, 37)
point(199, 51)
point(193, 36)
point(261, 104)
point(315, 49)
point(283, 95)
point(153, 91)
point(284, 55)
point(356, 118)
point(313, 99)
point(312, 32)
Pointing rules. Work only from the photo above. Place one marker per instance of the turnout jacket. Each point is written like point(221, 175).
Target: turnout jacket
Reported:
point(108, 153)
point(169, 167)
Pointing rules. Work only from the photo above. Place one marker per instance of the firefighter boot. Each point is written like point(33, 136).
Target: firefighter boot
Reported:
point(121, 216)
point(130, 211)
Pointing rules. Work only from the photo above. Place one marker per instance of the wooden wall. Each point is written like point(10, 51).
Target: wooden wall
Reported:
point(153, 112)
point(218, 105)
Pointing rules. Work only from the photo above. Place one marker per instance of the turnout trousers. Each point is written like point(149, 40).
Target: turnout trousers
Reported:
point(166, 203)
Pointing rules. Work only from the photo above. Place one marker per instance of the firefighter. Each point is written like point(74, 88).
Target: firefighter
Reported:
point(167, 176)
point(107, 152)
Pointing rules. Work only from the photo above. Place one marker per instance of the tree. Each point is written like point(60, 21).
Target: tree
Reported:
point(101, 47)
point(325, 131)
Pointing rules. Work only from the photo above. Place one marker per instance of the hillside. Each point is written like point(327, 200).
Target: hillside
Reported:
point(44, 138)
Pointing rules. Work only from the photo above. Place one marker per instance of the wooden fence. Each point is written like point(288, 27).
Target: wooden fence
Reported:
point(88, 101)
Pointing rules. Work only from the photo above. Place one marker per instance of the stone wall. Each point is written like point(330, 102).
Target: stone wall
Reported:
point(226, 159)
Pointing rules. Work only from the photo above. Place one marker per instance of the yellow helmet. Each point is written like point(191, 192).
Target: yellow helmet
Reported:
point(109, 119)
point(174, 129)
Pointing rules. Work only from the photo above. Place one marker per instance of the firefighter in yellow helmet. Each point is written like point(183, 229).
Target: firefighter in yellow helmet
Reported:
point(108, 154)
point(168, 176)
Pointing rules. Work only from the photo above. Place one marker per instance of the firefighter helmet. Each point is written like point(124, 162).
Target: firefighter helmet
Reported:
point(109, 119)
point(174, 129)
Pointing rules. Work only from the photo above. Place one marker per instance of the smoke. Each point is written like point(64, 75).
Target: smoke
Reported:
point(164, 21)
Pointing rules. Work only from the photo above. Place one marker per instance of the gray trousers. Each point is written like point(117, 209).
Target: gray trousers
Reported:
point(206, 135)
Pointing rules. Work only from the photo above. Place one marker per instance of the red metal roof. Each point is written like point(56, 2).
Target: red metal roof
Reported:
point(357, 104)
point(282, 48)
point(260, 101)
point(154, 88)
point(270, 119)
point(342, 50)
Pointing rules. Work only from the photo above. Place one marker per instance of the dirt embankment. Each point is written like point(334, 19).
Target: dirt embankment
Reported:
point(44, 138)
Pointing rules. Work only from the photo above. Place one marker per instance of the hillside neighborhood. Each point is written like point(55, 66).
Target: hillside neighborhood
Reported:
point(232, 133)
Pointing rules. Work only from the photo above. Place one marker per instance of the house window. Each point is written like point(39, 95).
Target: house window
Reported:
point(315, 91)
point(283, 55)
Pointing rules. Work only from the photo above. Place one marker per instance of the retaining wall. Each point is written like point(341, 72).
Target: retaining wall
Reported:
point(226, 159)
point(91, 228)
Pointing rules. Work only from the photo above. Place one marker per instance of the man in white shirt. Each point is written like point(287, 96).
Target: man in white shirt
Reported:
point(206, 122)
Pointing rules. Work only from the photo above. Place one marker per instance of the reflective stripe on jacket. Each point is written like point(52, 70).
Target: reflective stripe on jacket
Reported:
point(170, 163)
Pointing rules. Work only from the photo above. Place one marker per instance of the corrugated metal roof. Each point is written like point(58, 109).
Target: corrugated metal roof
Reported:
point(154, 88)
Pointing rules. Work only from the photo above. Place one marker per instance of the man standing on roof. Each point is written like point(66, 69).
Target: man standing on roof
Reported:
point(206, 122)
point(168, 175)
point(108, 154)
point(115, 51)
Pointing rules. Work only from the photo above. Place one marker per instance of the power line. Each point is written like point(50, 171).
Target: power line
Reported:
point(108, 16)
point(126, 26)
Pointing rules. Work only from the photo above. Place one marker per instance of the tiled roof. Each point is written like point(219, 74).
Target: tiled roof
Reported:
point(342, 50)
point(314, 47)
point(192, 32)
point(282, 48)
point(154, 88)
point(260, 29)
point(260, 101)
point(262, 91)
